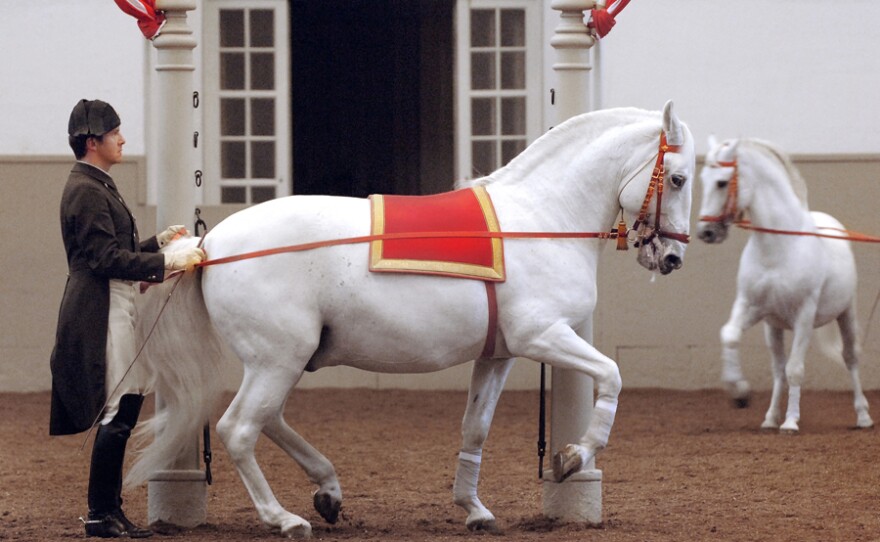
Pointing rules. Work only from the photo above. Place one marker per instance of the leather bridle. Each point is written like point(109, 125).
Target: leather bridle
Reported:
point(644, 232)
point(729, 211)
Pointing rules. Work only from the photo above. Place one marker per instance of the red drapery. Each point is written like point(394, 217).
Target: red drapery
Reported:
point(149, 19)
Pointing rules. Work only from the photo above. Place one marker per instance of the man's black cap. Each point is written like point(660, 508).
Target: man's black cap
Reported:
point(92, 117)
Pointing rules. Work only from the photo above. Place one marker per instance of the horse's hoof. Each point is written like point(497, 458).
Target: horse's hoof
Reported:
point(299, 531)
point(566, 463)
point(769, 426)
point(481, 526)
point(740, 393)
point(327, 506)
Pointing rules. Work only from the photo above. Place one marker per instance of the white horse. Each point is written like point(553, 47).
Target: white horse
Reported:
point(793, 273)
point(301, 310)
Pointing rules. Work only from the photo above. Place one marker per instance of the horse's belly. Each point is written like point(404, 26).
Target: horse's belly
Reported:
point(403, 324)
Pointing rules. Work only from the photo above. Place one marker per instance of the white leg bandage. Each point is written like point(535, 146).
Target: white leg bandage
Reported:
point(600, 424)
point(794, 403)
point(466, 476)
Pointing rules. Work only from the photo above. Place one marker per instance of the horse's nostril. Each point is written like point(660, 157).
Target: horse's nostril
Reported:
point(673, 261)
point(707, 235)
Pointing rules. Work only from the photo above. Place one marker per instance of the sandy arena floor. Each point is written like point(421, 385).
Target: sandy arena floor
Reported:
point(681, 466)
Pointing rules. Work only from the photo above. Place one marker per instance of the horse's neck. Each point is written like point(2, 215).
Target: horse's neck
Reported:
point(775, 206)
point(573, 179)
point(774, 203)
point(558, 199)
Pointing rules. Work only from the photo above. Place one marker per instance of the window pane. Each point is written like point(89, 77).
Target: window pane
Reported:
point(513, 116)
point(482, 28)
point(513, 70)
point(262, 28)
point(510, 149)
point(263, 160)
point(484, 160)
point(263, 116)
point(232, 71)
point(259, 194)
point(513, 28)
point(262, 71)
point(231, 117)
point(231, 28)
point(232, 160)
point(482, 71)
point(233, 194)
point(483, 116)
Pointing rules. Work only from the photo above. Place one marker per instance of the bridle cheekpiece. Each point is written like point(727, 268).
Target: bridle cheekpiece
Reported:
point(644, 232)
point(729, 211)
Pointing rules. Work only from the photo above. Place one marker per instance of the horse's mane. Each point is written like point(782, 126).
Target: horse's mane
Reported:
point(587, 127)
point(794, 176)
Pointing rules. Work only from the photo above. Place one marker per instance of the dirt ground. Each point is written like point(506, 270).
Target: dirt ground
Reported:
point(680, 466)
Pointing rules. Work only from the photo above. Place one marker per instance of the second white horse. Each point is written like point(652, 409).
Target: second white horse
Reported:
point(793, 274)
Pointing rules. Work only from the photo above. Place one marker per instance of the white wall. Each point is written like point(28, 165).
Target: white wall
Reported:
point(56, 52)
point(804, 74)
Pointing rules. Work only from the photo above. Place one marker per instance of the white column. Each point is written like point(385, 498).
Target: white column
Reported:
point(176, 497)
point(579, 498)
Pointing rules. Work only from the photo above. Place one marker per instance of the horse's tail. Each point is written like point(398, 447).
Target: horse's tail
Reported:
point(830, 342)
point(184, 357)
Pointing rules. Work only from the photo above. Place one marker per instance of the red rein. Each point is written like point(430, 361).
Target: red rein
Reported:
point(729, 212)
point(655, 185)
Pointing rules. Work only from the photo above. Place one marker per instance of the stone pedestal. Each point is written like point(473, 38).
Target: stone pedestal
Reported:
point(578, 499)
point(172, 498)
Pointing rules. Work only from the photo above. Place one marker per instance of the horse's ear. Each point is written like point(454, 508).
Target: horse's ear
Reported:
point(672, 126)
point(713, 141)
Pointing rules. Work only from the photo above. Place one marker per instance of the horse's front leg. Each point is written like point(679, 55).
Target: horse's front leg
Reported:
point(487, 381)
point(774, 338)
point(794, 368)
point(742, 317)
point(559, 346)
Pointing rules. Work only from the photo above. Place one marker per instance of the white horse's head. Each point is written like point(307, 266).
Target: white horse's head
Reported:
point(657, 200)
point(722, 195)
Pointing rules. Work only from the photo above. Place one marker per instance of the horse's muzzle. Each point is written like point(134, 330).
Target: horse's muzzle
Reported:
point(670, 263)
point(712, 232)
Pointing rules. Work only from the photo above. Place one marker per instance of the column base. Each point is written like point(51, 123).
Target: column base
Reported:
point(578, 499)
point(177, 497)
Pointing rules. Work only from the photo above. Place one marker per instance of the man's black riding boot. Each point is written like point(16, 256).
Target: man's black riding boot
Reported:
point(106, 519)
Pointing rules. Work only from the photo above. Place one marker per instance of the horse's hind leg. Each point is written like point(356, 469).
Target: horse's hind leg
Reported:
point(328, 497)
point(774, 338)
point(258, 402)
point(487, 381)
point(848, 333)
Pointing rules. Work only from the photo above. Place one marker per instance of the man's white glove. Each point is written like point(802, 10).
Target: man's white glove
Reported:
point(184, 259)
point(169, 234)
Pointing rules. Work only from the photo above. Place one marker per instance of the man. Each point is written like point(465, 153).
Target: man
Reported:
point(95, 338)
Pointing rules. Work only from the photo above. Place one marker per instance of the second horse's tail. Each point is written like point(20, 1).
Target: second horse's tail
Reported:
point(184, 357)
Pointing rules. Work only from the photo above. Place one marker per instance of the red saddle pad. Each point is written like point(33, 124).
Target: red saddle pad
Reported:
point(466, 210)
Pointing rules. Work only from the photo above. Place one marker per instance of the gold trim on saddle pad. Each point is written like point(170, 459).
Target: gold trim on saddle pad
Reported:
point(461, 211)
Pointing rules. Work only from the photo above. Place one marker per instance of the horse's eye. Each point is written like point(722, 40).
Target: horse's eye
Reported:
point(678, 180)
point(722, 184)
